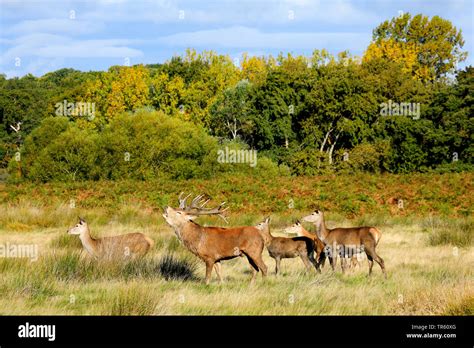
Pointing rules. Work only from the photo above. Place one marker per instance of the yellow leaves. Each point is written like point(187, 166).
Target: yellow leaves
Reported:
point(168, 93)
point(200, 94)
point(118, 90)
point(405, 53)
point(254, 69)
point(129, 90)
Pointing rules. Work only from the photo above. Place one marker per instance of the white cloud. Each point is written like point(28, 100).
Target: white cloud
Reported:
point(56, 25)
point(244, 37)
point(56, 46)
point(42, 29)
point(233, 12)
point(88, 49)
point(38, 66)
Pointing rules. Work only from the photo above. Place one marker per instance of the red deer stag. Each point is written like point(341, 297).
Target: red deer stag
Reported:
point(215, 244)
point(351, 240)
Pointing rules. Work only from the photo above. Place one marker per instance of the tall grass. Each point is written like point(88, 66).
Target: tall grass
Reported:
point(65, 241)
point(132, 300)
point(422, 267)
point(72, 266)
point(456, 232)
point(463, 307)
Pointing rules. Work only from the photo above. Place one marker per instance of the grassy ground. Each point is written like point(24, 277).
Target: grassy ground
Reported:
point(429, 257)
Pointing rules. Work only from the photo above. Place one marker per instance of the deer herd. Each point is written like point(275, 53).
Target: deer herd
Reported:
point(216, 244)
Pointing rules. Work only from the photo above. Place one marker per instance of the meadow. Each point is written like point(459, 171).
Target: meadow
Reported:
point(427, 245)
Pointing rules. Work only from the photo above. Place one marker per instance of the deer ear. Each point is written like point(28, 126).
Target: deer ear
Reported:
point(81, 220)
point(267, 220)
point(297, 222)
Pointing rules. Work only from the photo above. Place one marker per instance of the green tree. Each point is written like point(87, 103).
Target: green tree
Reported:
point(230, 112)
point(436, 41)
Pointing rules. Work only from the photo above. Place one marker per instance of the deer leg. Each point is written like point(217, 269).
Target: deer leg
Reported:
point(209, 266)
point(332, 254)
point(354, 261)
point(373, 256)
point(254, 275)
point(261, 265)
point(321, 260)
point(332, 262)
point(217, 268)
point(343, 256)
point(306, 261)
point(257, 261)
point(277, 265)
point(371, 263)
point(314, 262)
point(343, 263)
point(254, 269)
point(381, 263)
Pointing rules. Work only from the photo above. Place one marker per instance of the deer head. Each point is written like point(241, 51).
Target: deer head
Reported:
point(294, 229)
point(177, 217)
point(315, 217)
point(264, 224)
point(80, 228)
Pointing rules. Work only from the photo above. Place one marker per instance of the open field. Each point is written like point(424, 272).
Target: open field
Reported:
point(427, 247)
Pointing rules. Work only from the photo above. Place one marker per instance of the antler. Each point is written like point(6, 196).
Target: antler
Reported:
point(182, 201)
point(197, 206)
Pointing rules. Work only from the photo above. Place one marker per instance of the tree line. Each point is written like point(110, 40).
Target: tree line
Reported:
point(401, 107)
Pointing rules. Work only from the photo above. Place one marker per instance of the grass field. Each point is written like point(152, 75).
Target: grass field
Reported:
point(427, 247)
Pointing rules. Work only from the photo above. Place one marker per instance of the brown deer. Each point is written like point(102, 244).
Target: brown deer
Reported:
point(286, 248)
point(298, 229)
point(215, 244)
point(347, 241)
point(125, 246)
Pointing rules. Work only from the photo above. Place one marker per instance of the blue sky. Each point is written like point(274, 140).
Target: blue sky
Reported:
point(38, 36)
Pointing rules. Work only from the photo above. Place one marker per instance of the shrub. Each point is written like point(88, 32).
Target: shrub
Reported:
point(142, 145)
point(453, 167)
point(308, 162)
point(262, 167)
point(364, 157)
point(146, 144)
point(49, 129)
point(72, 156)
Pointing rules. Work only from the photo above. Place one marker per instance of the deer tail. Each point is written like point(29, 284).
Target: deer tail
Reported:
point(150, 241)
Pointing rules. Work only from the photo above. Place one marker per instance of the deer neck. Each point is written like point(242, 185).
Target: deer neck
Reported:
point(267, 236)
point(307, 234)
point(322, 230)
point(89, 243)
point(190, 235)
